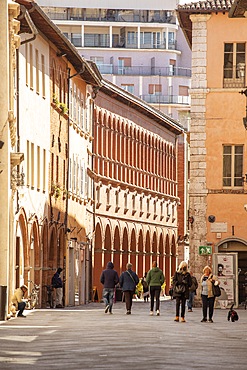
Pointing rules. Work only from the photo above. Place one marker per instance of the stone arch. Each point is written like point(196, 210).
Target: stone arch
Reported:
point(22, 255)
point(125, 251)
point(133, 249)
point(107, 245)
point(140, 247)
point(52, 248)
point(46, 276)
point(97, 258)
point(173, 255)
point(147, 251)
point(116, 246)
point(37, 255)
point(154, 247)
point(161, 252)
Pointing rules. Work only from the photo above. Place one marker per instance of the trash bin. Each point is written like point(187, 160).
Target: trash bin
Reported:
point(3, 302)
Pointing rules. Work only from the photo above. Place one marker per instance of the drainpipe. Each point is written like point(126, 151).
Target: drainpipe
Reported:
point(25, 14)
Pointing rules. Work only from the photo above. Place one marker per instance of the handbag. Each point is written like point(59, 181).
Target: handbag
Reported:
point(179, 289)
point(216, 290)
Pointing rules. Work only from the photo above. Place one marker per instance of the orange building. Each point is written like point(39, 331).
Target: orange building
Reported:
point(218, 190)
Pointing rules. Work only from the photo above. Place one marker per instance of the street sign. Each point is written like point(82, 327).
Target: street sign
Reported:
point(205, 250)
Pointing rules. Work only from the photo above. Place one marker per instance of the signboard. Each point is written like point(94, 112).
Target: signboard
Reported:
point(218, 227)
point(205, 250)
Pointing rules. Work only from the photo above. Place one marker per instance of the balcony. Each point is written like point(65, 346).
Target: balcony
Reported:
point(144, 70)
point(109, 15)
point(234, 77)
point(166, 99)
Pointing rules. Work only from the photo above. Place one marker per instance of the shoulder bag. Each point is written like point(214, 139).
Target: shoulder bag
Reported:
point(216, 290)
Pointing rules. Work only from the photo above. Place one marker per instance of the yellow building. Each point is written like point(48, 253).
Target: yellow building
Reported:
point(218, 187)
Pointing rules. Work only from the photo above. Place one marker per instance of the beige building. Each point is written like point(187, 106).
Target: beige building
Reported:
point(218, 234)
point(9, 161)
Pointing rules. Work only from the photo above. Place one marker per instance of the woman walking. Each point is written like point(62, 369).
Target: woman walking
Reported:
point(128, 281)
point(155, 279)
point(181, 284)
point(207, 281)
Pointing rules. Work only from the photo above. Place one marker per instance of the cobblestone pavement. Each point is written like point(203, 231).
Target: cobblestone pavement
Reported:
point(85, 337)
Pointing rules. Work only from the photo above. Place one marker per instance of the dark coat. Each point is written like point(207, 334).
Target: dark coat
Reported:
point(194, 284)
point(56, 281)
point(109, 277)
point(128, 280)
point(184, 279)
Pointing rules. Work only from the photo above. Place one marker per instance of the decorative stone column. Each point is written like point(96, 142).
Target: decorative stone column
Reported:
point(198, 189)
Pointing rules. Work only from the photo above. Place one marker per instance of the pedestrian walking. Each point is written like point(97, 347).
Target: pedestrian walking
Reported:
point(128, 281)
point(19, 300)
point(208, 298)
point(192, 292)
point(109, 278)
point(155, 279)
point(57, 284)
point(181, 284)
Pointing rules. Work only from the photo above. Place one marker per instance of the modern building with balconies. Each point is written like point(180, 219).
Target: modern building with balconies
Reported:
point(137, 47)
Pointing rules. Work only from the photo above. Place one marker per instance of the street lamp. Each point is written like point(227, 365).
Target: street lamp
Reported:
point(244, 92)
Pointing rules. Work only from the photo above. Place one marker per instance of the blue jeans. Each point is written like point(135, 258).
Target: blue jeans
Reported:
point(190, 300)
point(108, 294)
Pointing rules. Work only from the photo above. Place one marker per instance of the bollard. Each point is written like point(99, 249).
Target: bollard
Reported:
point(3, 302)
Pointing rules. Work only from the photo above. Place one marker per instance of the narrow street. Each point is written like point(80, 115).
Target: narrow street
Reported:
point(87, 338)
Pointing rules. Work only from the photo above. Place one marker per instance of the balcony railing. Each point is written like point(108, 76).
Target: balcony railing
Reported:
point(117, 16)
point(166, 99)
point(234, 77)
point(144, 70)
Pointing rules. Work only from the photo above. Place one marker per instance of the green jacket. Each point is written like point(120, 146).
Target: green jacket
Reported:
point(155, 277)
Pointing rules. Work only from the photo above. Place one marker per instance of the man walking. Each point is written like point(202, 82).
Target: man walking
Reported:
point(155, 279)
point(128, 281)
point(109, 278)
point(57, 283)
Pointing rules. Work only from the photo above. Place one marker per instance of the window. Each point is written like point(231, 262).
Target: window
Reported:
point(43, 74)
point(37, 70)
point(232, 165)
point(128, 87)
point(234, 64)
point(154, 89)
point(123, 65)
point(31, 65)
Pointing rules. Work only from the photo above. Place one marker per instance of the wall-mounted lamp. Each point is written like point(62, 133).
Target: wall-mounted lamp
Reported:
point(244, 178)
point(17, 178)
point(244, 92)
point(191, 219)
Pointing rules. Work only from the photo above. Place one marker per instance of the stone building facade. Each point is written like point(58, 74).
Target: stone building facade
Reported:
point(217, 193)
point(136, 188)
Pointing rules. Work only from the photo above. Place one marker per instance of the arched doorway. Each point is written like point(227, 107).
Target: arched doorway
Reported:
point(116, 247)
point(125, 249)
point(97, 262)
point(107, 246)
point(140, 272)
point(147, 254)
point(133, 250)
point(235, 247)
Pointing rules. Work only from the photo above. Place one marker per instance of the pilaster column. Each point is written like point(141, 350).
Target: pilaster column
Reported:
point(198, 189)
